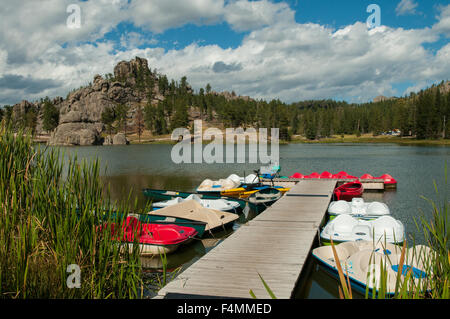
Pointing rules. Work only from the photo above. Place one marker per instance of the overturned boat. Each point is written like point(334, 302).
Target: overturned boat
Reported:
point(358, 208)
point(364, 262)
point(347, 228)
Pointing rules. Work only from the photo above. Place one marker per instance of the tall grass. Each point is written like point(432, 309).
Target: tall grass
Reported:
point(49, 221)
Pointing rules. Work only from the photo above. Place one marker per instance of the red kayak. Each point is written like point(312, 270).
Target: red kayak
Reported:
point(348, 191)
point(153, 238)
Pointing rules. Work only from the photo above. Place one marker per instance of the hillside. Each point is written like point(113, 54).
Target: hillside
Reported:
point(139, 100)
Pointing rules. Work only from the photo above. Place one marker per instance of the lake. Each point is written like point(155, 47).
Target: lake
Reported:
point(129, 169)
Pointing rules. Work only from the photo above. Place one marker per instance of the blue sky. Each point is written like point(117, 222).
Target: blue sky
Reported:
point(292, 50)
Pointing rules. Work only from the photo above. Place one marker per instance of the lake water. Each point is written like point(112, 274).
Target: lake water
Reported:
point(134, 167)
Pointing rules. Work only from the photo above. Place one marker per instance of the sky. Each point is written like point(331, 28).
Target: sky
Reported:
point(290, 50)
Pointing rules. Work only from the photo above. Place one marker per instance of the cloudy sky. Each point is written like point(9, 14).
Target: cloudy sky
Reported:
point(292, 50)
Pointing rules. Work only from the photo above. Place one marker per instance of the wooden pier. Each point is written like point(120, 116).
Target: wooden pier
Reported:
point(368, 184)
point(275, 244)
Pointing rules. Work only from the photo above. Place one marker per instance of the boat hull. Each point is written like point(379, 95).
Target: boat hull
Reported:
point(151, 249)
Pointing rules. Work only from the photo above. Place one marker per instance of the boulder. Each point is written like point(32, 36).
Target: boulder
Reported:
point(71, 134)
point(120, 139)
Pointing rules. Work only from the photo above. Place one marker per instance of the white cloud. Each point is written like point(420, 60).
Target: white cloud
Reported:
point(406, 7)
point(443, 26)
point(243, 15)
point(279, 58)
point(160, 15)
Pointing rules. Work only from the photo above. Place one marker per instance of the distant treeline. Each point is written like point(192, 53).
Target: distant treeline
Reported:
point(424, 115)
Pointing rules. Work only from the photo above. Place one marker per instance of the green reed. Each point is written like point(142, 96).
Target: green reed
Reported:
point(49, 221)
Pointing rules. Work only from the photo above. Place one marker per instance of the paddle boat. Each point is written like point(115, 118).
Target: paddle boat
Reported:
point(163, 195)
point(192, 211)
point(222, 185)
point(153, 239)
point(348, 191)
point(347, 228)
point(362, 261)
point(358, 208)
point(389, 181)
point(217, 204)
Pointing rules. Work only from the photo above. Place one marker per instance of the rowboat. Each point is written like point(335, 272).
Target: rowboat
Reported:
point(347, 228)
point(153, 239)
point(348, 191)
point(363, 262)
point(163, 195)
point(217, 204)
point(264, 198)
point(190, 211)
point(358, 208)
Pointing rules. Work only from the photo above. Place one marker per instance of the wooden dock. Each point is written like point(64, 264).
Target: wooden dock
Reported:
point(368, 184)
point(275, 245)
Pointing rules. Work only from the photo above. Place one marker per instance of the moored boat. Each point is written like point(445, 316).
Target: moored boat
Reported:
point(153, 239)
point(348, 191)
point(347, 228)
point(217, 204)
point(361, 261)
point(264, 198)
point(247, 190)
point(193, 211)
point(358, 208)
point(388, 180)
point(163, 195)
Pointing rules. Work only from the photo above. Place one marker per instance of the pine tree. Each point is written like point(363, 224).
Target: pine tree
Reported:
point(139, 122)
point(122, 116)
point(108, 118)
point(50, 116)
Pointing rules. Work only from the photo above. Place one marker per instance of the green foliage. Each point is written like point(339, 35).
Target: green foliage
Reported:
point(49, 219)
point(108, 118)
point(121, 112)
point(50, 117)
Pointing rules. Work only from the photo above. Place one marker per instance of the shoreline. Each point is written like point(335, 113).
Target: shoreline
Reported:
point(331, 140)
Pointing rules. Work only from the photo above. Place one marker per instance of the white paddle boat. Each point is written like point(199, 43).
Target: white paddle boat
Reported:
point(358, 208)
point(364, 262)
point(347, 228)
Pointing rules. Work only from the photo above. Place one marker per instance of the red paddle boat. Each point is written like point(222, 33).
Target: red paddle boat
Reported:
point(388, 179)
point(348, 191)
point(153, 239)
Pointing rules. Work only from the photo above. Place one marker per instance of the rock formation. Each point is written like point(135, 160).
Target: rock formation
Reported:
point(80, 114)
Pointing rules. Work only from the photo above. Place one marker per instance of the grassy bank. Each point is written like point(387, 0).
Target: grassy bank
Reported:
point(48, 221)
point(368, 138)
